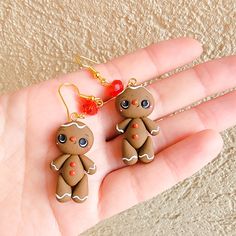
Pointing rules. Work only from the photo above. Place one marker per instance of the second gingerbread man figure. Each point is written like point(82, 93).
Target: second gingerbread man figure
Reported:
point(135, 103)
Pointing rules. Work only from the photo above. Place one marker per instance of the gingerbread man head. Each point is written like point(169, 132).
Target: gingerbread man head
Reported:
point(135, 102)
point(74, 138)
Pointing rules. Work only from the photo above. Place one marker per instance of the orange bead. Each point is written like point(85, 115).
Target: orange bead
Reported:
point(134, 102)
point(135, 125)
point(72, 173)
point(135, 136)
point(72, 164)
point(73, 139)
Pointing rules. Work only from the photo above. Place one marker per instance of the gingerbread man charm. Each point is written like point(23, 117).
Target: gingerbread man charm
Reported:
point(74, 139)
point(135, 103)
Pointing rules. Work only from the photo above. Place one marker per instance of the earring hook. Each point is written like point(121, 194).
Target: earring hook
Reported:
point(92, 70)
point(74, 115)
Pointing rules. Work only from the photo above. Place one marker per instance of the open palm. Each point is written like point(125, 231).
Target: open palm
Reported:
point(187, 141)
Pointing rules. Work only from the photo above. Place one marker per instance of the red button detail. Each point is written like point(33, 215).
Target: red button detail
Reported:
point(135, 136)
point(72, 172)
point(72, 164)
point(135, 125)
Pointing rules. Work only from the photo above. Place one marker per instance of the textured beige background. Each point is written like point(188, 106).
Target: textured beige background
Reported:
point(38, 40)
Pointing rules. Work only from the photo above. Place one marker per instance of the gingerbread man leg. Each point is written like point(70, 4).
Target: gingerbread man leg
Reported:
point(146, 152)
point(63, 192)
point(80, 193)
point(130, 156)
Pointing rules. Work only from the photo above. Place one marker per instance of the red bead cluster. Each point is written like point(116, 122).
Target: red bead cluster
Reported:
point(72, 172)
point(90, 107)
point(114, 88)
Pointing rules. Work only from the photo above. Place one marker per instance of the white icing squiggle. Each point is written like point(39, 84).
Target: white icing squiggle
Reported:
point(119, 130)
point(54, 166)
point(129, 159)
point(149, 158)
point(74, 123)
point(91, 168)
point(155, 130)
point(81, 199)
point(135, 87)
point(64, 195)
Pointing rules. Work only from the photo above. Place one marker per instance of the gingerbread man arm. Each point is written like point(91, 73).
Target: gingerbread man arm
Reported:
point(58, 162)
point(123, 125)
point(88, 164)
point(151, 126)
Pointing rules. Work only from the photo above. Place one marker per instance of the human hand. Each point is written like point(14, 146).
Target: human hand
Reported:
point(187, 140)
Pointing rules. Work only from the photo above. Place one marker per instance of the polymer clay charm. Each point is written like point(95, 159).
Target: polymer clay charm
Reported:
point(74, 139)
point(135, 103)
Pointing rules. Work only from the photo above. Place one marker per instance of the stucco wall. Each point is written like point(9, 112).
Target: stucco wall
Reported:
point(45, 35)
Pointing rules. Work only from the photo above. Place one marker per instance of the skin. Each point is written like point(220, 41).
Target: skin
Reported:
point(29, 119)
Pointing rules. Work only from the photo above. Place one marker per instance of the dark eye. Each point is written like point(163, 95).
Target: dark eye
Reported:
point(61, 138)
point(145, 104)
point(83, 142)
point(124, 104)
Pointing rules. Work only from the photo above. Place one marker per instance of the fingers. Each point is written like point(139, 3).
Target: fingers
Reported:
point(121, 68)
point(183, 89)
point(194, 84)
point(142, 64)
point(128, 186)
point(154, 60)
point(217, 114)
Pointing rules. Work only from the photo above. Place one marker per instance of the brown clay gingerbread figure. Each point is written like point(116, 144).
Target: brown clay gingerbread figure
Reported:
point(135, 103)
point(74, 139)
